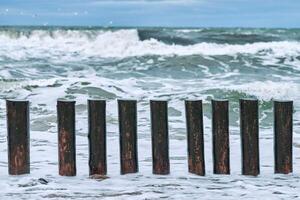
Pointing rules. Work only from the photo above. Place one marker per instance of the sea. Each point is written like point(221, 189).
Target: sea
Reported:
point(42, 64)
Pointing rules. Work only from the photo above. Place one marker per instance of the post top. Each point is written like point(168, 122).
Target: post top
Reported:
point(127, 100)
point(98, 100)
point(65, 100)
point(193, 100)
point(248, 99)
point(282, 101)
point(17, 100)
point(158, 100)
point(222, 100)
point(188, 101)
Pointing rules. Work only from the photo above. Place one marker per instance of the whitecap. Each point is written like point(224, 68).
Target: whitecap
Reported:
point(77, 45)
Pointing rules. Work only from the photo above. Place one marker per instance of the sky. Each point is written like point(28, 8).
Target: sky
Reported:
point(166, 13)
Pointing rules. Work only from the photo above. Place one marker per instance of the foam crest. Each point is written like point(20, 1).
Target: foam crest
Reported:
point(76, 44)
point(269, 90)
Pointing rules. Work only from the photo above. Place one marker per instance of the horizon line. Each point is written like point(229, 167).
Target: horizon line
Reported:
point(146, 26)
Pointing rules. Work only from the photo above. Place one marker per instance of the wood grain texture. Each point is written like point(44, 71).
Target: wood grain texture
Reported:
point(66, 138)
point(220, 132)
point(249, 136)
point(18, 137)
point(160, 137)
point(97, 137)
point(128, 136)
point(283, 136)
point(195, 141)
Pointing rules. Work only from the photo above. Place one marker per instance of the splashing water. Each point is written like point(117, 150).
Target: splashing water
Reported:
point(43, 64)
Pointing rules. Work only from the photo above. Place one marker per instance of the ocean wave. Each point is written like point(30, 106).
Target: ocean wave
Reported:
point(81, 44)
point(268, 90)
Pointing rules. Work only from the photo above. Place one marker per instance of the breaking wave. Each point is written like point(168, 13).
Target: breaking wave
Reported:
point(81, 44)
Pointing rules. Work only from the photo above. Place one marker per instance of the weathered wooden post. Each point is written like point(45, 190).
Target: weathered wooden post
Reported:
point(97, 137)
point(128, 136)
point(283, 136)
point(249, 136)
point(160, 137)
point(195, 141)
point(66, 137)
point(18, 137)
point(220, 132)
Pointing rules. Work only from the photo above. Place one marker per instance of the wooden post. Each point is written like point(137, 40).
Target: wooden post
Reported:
point(128, 136)
point(283, 136)
point(160, 137)
point(97, 137)
point(220, 132)
point(66, 137)
point(18, 137)
point(249, 136)
point(195, 141)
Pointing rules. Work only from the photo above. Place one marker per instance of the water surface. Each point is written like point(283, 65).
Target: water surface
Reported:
point(42, 64)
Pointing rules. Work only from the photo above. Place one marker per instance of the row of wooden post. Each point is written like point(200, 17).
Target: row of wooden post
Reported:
point(18, 136)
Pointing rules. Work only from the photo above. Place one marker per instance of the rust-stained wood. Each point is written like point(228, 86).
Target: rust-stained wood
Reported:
point(283, 136)
point(66, 137)
point(18, 137)
point(128, 136)
point(97, 137)
point(249, 136)
point(220, 133)
point(160, 137)
point(195, 142)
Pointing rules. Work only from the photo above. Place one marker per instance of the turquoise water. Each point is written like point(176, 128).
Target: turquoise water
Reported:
point(45, 63)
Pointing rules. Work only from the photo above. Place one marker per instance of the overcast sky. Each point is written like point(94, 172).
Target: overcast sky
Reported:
point(175, 13)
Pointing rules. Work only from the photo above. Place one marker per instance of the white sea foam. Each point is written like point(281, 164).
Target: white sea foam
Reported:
point(43, 83)
point(269, 90)
point(123, 43)
point(189, 30)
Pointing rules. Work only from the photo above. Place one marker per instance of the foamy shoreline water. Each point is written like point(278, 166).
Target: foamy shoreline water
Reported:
point(43, 65)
